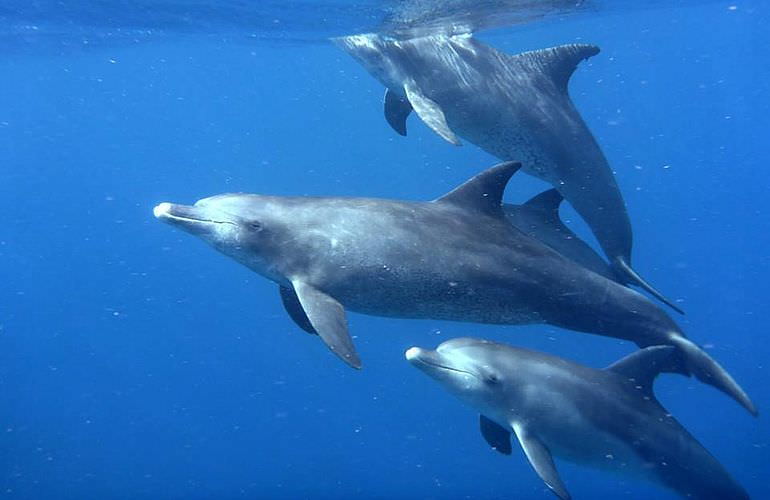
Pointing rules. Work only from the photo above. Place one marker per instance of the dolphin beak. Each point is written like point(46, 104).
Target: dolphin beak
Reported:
point(419, 359)
point(424, 359)
point(413, 354)
point(433, 363)
point(162, 210)
point(191, 219)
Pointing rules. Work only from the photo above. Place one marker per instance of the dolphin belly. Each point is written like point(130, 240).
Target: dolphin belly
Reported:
point(402, 294)
point(594, 448)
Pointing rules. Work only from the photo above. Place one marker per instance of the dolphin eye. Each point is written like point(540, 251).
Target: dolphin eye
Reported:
point(491, 379)
point(255, 225)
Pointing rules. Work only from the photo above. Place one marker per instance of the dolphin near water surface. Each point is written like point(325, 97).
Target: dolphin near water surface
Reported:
point(515, 107)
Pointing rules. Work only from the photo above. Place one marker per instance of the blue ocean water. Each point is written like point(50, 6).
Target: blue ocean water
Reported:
point(135, 362)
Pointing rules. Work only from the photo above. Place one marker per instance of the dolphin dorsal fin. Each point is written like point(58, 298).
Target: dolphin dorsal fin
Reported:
point(483, 192)
point(547, 201)
point(645, 364)
point(559, 62)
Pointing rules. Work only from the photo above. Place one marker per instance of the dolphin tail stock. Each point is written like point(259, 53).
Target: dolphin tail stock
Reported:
point(628, 275)
point(708, 371)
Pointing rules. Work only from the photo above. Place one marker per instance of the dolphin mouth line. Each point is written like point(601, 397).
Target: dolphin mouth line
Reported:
point(193, 219)
point(444, 367)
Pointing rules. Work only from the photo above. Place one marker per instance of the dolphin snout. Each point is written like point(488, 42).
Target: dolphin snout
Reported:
point(162, 209)
point(191, 219)
point(413, 353)
point(171, 212)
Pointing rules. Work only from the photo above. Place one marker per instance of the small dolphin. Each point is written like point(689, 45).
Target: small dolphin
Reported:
point(457, 258)
point(607, 419)
point(539, 218)
point(515, 107)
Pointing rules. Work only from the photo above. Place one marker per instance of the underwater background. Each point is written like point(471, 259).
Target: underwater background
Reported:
point(135, 362)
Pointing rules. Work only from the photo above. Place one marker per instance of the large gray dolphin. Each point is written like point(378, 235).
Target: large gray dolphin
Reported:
point(539, 218)
point(607, 419)
point(456, 258)
point(515, 107)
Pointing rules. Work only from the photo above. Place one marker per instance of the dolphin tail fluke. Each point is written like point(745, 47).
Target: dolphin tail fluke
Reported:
point(705, 369)
point(628, 275)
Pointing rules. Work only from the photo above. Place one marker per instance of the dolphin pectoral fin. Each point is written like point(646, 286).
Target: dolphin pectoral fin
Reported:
point(708, 371)
point(397, 110)
point(628, 275)
point(294, 308)
point(430, 113)
point(540, 459)
point(498, 437)
point(483, 192)
point(327, 317)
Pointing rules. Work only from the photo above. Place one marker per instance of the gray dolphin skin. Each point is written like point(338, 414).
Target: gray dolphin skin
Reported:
point(456, 258)
point(607, 419)
point(539, 218)
point(515, 107)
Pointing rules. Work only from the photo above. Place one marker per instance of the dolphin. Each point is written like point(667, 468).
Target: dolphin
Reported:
point(456, 258)
point(515, 107)
point(539, 218)
point(607, 419)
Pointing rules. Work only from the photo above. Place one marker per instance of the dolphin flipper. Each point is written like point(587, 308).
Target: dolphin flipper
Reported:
point(708, 371)
point(540, 459)
point(327, 317)
point(430, 113)
point(294, 308)
point(630, 276)
point(397, 110)
point(495, 435)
